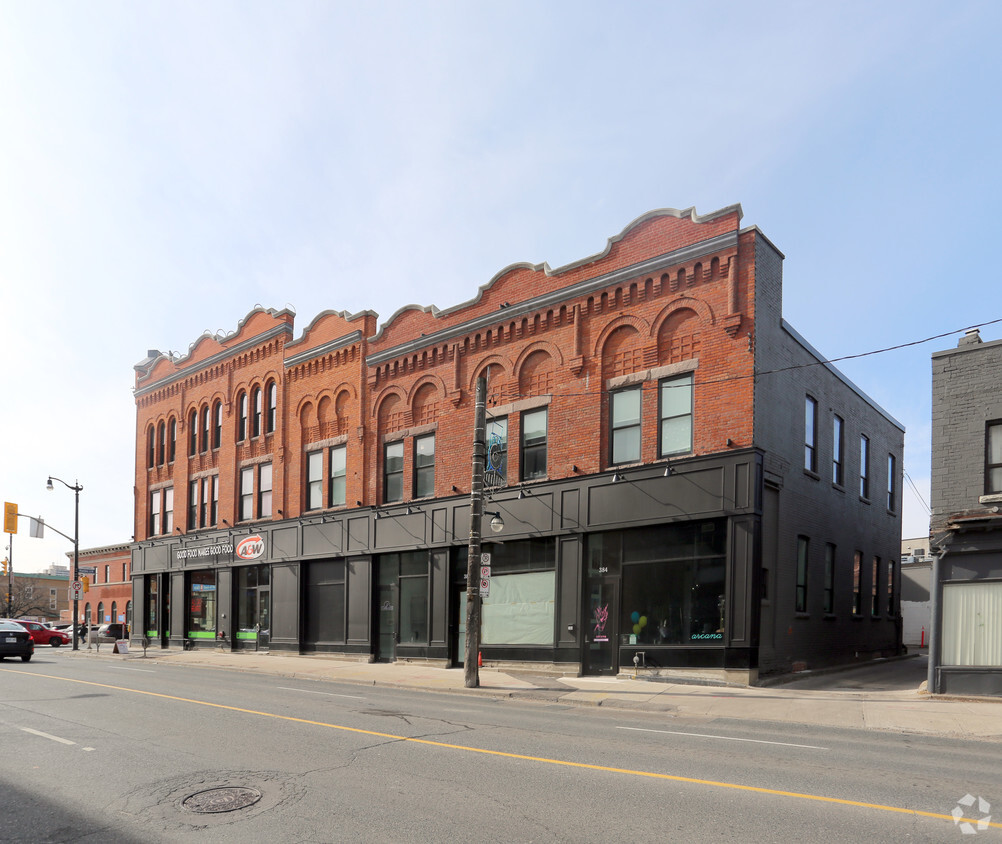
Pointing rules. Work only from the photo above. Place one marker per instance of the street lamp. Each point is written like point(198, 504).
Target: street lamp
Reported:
point(76, 549)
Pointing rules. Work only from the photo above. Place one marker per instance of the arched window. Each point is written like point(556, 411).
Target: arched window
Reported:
point(193, 433)
point(128, 616)
point(203, 439)
point(86, 614)
point(161, 443)
point(114, 611)
point(150, 447)
point(256, 419)
point(171, 439)
point(100, 613)
point(271, 407)
point(217, 424)
point(241, 417)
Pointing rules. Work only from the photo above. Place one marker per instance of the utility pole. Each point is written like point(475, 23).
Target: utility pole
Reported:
point(471, 667)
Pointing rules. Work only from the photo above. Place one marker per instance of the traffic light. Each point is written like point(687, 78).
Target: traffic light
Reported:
point(4, 566)
point(86, 583)
point(9, 517)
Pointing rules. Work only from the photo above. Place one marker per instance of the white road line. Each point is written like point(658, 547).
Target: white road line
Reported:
point(723, 738)
point(144, 670)
point(328, 694)
point(46, 735)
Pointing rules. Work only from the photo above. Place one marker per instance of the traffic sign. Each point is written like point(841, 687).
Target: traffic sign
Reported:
point(76, 590)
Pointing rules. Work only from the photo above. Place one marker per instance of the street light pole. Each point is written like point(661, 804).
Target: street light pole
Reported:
point(471, 667)
point(76, 549)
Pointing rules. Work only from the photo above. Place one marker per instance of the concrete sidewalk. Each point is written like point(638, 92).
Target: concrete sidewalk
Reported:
point(855, 698)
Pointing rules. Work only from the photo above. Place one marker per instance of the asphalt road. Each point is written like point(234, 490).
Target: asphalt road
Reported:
point(121, 752)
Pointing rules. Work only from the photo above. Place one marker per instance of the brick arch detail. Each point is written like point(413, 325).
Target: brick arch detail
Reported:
point(701, 309)
point(429, 378)
point(641, 325)
point(386, 392)
point(538, 346)
point(491, 360)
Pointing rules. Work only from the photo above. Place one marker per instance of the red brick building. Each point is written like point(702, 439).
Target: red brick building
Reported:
point(108, 597)
point(679, 474)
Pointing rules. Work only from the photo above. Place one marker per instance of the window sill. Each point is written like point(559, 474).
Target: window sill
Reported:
point(804, 615)
point(830, 616)
point(864, 500)
point(812, 474)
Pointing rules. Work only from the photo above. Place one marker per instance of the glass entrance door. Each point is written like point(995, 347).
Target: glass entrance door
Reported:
point(264, 618)
point(601, 655)
point(386, 622)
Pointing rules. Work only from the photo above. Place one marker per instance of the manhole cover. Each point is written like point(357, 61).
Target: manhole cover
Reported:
point(216, 800)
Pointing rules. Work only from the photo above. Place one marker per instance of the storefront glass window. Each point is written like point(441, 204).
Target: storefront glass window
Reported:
point(202, 603)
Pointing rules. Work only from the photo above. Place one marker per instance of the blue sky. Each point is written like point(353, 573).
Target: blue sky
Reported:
point(165, 167)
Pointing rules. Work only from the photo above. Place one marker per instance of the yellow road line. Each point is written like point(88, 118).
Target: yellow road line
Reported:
point(541, 759)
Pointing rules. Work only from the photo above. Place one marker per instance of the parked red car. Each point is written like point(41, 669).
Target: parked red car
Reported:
point(45, 635)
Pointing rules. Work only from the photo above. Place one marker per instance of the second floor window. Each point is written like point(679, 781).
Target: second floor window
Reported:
point(246, 510)
point(424, 466)
point(534, 444)
point(624, 424)
point(496, 470)
point(393, 472)
point(838, 444)
point(892, 470)
point(857, 583)
point(811, 435)
point(675, 434)
point(864, 466)
point(315, 480)
point(339, 476)
point(993, 459)
point(264, 491)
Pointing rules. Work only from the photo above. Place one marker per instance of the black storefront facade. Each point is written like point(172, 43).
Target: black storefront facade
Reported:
point(648, 566)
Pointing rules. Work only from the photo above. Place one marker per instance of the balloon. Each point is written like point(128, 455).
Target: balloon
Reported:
point(636, 629)
point(643, 621)
point(635, 617)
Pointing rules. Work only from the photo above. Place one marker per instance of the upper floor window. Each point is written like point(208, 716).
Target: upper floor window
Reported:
point(193, 433)
point(838, 447)
point(314, 480)
point(171, 440)
point(892, 471)
point(150, 447)
point(241, 416)
point(393, 472)
point(270, 407)
point(161, 443)
point(246, 501)
point(339, 475)
point(864, 466)
point(264, 489)
point(676, 415)
point(424, 466)
point(154, 526)
point(256, 413)
point(993, 459)
point(624, 418)
point(534, 444)
point(496, 470)
point(811, 435)
point(161, 513)
point(217, 424)
point(203, 440)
